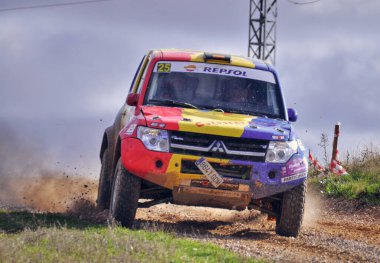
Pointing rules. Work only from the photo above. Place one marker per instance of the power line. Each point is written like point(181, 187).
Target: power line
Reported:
point(51, 5)
point(303, 3)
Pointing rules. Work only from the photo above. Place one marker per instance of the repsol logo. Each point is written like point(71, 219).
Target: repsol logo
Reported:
point(225, 71)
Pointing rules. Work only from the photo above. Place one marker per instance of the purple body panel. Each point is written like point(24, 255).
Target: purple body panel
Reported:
point(262, 185)
point(267, 129)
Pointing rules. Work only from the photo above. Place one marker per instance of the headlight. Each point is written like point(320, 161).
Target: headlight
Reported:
point(154, 139)
point(280, 152)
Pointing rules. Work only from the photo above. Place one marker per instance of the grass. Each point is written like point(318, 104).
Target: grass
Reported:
point(362, 182)
point(13, 222)
point(356, 185)
point(28, 237)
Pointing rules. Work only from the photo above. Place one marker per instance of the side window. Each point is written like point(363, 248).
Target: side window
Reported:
point(139, 74)
point(271, 96)
point(135, 77)
point(142, 78)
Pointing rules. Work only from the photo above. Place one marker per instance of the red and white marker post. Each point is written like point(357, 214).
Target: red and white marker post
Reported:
point(336, 166)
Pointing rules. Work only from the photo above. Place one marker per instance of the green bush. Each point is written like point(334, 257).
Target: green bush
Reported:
point(362, 183)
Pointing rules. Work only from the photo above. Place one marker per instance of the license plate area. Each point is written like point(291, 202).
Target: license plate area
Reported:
point(206, 168)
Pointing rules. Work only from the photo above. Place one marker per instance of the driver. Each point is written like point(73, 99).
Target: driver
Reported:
point(177, 86)
point(172, 88)
point(238, 92)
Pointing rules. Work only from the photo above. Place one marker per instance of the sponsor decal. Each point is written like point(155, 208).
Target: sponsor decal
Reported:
point(215, 123)
point(215, 69)
point(190, 68)
point(156, 124)
point(163, 67)
point(265, 122)
point(294, 166)
point(293, 177)
point(225, 71)
point(131, 129)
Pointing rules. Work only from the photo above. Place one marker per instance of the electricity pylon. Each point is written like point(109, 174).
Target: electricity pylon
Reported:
point(262, 30)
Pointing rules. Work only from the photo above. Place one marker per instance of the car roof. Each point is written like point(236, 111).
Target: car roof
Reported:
point(198, 56)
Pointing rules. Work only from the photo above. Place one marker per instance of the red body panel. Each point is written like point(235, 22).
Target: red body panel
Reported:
point(171, 115)
point(142, 162)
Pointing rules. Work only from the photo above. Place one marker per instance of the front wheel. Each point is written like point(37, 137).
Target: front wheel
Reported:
point(291, 211)
point(125, 196)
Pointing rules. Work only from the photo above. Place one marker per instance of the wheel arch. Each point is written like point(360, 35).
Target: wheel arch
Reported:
point(106, 141)
point(117, 153)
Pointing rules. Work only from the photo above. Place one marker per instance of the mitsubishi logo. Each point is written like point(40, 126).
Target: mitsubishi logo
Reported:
point(218, 146)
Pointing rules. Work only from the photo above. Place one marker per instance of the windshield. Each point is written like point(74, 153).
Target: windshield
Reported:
point(213, 86)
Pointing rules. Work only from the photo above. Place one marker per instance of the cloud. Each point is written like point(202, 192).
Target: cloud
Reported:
point(65, 68)
point(339, 8)
point(91, 52)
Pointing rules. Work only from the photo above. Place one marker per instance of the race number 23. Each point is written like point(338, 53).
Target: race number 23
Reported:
point(163, 67)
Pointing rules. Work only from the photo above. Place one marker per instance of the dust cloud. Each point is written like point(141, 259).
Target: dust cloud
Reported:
point(29, 180)
point(313, 207)
point(47, 192)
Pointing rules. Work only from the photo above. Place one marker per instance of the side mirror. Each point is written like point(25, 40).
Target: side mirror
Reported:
point(292, 114)
point(132, 99)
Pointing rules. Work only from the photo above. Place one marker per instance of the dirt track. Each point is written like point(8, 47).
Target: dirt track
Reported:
point(334, 231)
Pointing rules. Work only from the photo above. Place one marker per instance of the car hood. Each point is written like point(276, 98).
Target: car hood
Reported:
point(216, 123)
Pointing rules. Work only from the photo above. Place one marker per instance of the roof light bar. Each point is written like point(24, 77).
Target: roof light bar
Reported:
point(211, 56)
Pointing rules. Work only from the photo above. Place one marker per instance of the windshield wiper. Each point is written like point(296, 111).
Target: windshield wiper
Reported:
point(246, 112)
point(260, 114)
point(174, 103)
point(237, 111)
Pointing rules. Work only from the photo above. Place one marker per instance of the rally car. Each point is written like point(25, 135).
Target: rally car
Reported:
point(204, 129)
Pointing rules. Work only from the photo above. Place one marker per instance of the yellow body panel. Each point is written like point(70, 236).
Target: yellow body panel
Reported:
point(214, 122)
point(174, 174)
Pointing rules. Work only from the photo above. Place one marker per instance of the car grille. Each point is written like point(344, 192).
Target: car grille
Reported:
point(228, 170)
point(218, 146)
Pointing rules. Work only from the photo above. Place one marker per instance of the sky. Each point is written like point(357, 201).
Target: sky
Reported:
point(66, 70)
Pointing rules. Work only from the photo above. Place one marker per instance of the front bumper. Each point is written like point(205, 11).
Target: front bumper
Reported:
point(198, 196)
point(164, 169)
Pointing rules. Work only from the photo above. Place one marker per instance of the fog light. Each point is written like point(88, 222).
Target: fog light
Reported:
point(272, 174)
point(159, 164)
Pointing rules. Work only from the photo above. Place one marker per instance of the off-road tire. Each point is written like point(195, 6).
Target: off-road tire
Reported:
point(104, 187)
point(125, 196)
point(290, 216)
